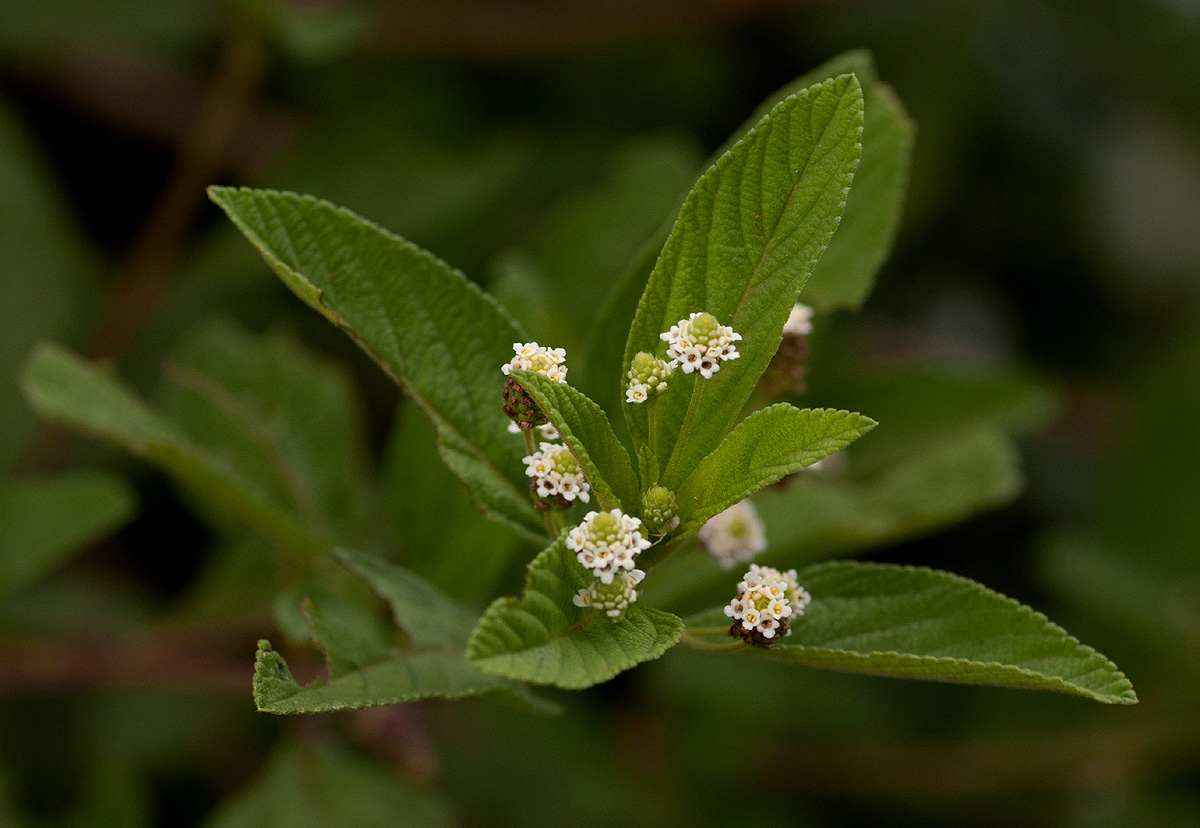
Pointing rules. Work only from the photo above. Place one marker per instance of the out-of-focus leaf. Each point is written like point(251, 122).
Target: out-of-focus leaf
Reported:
point(46, 274)
point(585, 430)
point(430, 329)
point(428, 617)
point(286, 419)
point(44, 522)
point(544, 638)
point(328, 788)
point(114, 796)
point(398, 679)
point(348, 633)
point(909, 622)
point(67, 390)
point(440, 534)
point(745, 243)
point(765, 447)
point(816, 515)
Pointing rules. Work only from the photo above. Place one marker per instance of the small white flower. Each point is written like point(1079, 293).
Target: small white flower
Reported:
point(734, 535)
point(607, 543)
point(637, 394)
point(556, 474)
point(701, 343)
point(767, 601)
point(533, 357)
point(799, 321)
point(545, 432)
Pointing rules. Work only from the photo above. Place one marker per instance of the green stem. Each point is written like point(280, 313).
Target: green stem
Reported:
point(530, 443)
point(556, 521)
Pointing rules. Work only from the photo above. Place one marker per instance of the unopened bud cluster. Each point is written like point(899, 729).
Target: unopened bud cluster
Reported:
point(735, 535)
point(557, 478)
point(659, 510)
point(648, 377)
point(607, 545)
point(701, 343)
point(613, 598)
point(767, 602)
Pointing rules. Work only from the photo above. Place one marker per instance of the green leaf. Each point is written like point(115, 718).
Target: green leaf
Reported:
point(765, 447)
point(441, 535)
point(286, 419)
point(63, 388)
point(544, 638)
point(744, 244)
point(909, 622)
point(401, 678)
point(587, 433)
point(349, 634)
point(817, 515)
point(47, 273)
point(428, 617)
point(431, 330)
point(324, 787)
point(44, 522)
point(846, 273)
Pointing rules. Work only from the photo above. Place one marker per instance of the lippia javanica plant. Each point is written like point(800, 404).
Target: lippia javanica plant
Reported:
point(606, 495)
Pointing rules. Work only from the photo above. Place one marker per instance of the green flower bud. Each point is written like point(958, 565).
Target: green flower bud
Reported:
point(658, 510)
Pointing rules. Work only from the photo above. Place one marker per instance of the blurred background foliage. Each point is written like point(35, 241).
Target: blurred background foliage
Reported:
point(1032, 349)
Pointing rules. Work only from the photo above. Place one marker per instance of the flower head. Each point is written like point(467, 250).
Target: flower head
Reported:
point(735, 535)
point(557, 477)
point(611, 597)
point(549, 362)
point(766, 603)
point(701, 343)
point(607, 542)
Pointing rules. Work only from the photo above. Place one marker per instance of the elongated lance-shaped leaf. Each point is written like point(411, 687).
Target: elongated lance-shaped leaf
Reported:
point(910, 622)
point(422, 610)
point(288, 420)
point(544, 638)
point(65, 389)
point(744, 244)
point(401, 678)
point(846, 272)
point(764, 448)
point(347, 631)
point(42, 522)
point(587, 433)
point(432, 331)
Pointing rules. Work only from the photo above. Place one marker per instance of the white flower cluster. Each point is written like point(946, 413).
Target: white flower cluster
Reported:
point(766, 600)
point(647, 377)
point(701, 343)
point(530, 356)
point(607, 543)
point(612, 598)
point(735, 535)
point(556, 473)
point(799, 321)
